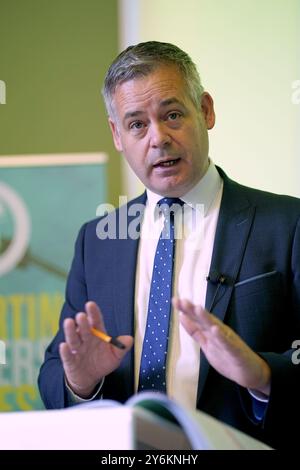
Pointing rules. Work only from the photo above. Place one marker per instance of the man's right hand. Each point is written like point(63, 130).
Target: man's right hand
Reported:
point(87, 359)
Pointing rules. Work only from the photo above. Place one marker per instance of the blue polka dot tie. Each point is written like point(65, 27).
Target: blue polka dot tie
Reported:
point(154, 354)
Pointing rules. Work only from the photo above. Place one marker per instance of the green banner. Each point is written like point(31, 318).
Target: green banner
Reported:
point(43, 202)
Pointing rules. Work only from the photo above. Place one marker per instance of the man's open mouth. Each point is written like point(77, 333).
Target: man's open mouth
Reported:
point(166, 163)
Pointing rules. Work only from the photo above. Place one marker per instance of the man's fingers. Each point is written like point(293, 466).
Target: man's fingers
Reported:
point(128, 343)
point(193, 329)
point(196, 313)
point(183, 305)
point(201, 324)
point(94, 316)
point(71, 335)
point(66, 355)
point(83, 326)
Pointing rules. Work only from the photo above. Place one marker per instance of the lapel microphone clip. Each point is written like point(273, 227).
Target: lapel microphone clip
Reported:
point(218, 279)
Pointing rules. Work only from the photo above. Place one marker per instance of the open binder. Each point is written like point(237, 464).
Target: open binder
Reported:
point(148, 420)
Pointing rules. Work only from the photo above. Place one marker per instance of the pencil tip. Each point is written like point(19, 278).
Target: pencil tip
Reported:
point(117, 343)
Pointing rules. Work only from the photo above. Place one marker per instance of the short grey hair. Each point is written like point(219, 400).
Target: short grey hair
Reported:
point(142, 59)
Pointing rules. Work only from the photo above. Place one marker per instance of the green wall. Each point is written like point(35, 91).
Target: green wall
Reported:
point(53, 57)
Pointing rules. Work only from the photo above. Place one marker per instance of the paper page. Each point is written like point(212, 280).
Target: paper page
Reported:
point(71, 429)
point(219, 435)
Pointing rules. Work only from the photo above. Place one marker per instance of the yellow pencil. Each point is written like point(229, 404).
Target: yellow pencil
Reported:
point(107, 338)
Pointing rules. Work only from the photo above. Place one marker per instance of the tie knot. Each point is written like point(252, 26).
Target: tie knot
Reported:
point(169, 201)
point(169, 205)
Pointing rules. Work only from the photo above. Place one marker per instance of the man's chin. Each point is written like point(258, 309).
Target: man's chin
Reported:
point(168, 188)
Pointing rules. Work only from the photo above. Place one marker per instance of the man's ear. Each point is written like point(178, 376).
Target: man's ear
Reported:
point(207, 107)
point(116, 135)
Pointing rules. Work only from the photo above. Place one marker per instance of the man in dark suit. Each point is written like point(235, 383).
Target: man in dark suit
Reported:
point(235, 363)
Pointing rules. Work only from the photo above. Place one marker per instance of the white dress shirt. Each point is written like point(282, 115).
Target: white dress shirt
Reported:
point(195, 233)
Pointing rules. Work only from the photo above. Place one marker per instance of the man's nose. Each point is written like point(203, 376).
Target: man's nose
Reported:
point(159, 135)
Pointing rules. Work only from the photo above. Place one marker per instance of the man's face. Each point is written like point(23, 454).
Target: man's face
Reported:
point(160, 132)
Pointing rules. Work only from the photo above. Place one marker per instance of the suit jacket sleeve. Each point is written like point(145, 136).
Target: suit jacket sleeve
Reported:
point(51, 378)
point(285, 385)
point(283, 406)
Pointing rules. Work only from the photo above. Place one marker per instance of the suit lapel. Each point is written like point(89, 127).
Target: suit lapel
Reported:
point(234, 224)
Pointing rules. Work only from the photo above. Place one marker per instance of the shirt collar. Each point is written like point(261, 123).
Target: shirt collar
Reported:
point(204, 192)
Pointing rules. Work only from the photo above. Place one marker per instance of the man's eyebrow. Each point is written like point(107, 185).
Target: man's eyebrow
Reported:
point(132, 114)
point(163, 103)
point(169, 101)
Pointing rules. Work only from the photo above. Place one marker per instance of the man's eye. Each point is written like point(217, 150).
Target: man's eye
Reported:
point(173, 116)
point(136, 125)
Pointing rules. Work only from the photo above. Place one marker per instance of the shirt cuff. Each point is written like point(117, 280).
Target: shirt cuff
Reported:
point(258, 396)
point(259, 404)
point(75, 399)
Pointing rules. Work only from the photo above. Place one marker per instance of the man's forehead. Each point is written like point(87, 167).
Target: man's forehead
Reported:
point(135, 94)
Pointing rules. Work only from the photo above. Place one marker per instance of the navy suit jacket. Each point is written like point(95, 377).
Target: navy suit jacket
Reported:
point(257, 248)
